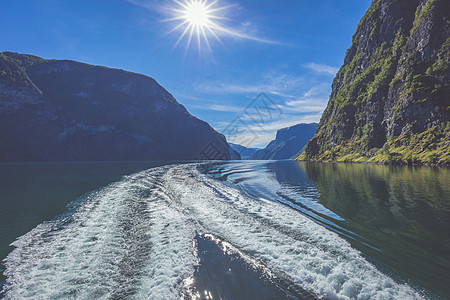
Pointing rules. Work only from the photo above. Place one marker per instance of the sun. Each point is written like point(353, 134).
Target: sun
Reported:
point(197, 14)
point(197, 20)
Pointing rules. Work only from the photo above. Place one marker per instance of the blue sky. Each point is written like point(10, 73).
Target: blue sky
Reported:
point(288, 49)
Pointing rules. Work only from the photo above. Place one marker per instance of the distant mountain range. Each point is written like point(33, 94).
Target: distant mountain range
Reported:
point(289, 142)
point(244, 152)
point(390, 101)
point(59, 110)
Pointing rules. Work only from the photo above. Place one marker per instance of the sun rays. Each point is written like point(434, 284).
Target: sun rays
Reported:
point(198, 21)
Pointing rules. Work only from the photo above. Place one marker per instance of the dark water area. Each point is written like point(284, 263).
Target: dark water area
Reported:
point(225, 230)
point(223, 273)
point(403, 212)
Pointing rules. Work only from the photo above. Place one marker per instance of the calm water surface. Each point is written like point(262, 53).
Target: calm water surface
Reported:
point(233, 230)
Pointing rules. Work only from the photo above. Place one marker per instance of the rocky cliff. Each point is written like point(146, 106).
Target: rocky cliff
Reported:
point(52, 110)
point(390, 100)
point(288, 143)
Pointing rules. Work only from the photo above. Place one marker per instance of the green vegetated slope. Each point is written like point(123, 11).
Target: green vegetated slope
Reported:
point(390, 101)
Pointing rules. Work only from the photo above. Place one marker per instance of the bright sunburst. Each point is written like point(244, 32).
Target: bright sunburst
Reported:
point(197, 14)
point(197, 19)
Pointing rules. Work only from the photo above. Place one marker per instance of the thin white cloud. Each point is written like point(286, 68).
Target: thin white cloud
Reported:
point(278, 84)
point(254, 135)
point(150, 5)
point(314, 100)
point(306, 106)
point(296, 108)
point(301, 100)
point(318, 90)
point(283, 123)
point(239, 34)
point(227, 88)
point(322, 69)
point(225, 108)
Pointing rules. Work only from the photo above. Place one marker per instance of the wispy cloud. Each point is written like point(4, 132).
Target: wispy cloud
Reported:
point(285, 87)
point(227, 88)
point(253, 135)
point(225, 108)
point(309, 106)
point(236, 33)
point(149, 5)
point(279, 84)
point(322, 69)
point(286, 122)
point(296, 107)
point(314, 100)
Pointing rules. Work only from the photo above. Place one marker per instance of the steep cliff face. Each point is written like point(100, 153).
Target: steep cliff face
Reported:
point(53, 110)
point(390, 100)
point(288, 142)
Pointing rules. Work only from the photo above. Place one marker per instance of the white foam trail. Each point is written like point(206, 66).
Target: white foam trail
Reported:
point(290, 244)
point(126, 239)
point(134, 239)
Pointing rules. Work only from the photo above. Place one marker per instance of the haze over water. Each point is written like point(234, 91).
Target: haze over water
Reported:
point(251, 229)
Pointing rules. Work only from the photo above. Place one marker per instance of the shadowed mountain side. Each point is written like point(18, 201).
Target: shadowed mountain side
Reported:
point(244, 152)
point(288, 143)
point(53, 110)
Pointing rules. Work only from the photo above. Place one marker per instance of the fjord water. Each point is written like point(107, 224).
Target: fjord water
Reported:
point(227, 230)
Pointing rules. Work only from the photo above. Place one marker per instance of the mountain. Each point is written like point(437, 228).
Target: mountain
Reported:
point(390, 99)
point(244, 152)
point(288, 142)
point(60, 110)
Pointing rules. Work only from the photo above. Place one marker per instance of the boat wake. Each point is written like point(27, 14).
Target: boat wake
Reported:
point(136, 239)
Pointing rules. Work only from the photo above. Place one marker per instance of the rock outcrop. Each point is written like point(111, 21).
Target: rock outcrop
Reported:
point(390, 100)
point(55, 110)
point(288, 143)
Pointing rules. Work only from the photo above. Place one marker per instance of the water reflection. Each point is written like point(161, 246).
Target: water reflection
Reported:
point(402, 211)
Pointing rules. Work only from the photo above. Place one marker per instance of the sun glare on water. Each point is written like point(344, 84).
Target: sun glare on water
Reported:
point(197, 20)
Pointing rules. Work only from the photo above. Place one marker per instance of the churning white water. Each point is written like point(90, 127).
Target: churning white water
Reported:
point(135, 239)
